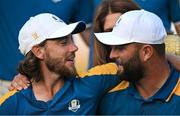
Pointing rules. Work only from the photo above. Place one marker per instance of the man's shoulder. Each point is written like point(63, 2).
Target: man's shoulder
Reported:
point(121, 86)
point(105, 69)
point(6, 96)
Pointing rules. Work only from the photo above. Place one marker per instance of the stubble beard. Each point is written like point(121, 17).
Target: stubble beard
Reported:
point(57, 65)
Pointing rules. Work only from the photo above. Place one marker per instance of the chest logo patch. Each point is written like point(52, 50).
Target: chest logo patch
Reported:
point(74, 105)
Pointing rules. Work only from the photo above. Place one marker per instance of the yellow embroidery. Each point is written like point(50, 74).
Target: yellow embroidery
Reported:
point(35, 35)
point(176, 90)
point(120, 86)
point(109, 69)
point(6, 96)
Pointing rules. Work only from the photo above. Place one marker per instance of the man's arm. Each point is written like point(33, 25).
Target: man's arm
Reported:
point(101, 78)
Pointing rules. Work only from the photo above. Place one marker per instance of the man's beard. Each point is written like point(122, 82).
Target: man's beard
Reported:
point(57, 66)
point(133, 69)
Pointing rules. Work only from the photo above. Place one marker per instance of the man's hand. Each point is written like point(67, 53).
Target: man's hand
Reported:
point(19, 82)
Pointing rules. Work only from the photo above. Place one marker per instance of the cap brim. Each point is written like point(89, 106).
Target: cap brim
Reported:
point(109, 38)
point(69, 29)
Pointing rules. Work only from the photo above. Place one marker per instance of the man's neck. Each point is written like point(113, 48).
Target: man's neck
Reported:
point(48, 86)
point(154, 78)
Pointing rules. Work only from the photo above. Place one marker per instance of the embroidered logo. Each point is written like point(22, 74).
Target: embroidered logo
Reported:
point(117, 22)
point(57, 19)
point(74, 105)
point(35, 35)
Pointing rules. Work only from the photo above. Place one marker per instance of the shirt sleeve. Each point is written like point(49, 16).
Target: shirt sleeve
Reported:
point(101, 78)
point(8, 107)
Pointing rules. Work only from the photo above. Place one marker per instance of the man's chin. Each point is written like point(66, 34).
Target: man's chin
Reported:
point(72, 71)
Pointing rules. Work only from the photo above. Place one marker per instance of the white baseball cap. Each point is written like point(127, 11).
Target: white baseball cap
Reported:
point(138, 26)
point(45, 26)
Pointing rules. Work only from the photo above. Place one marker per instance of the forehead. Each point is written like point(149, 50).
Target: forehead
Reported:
point(56, 40)
point(65, 37)
point(130, 45)
point(110, 20)
point(61, 38)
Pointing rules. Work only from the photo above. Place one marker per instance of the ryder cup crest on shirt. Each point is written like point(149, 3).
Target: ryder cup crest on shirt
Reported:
point(45, 26)
point(135, 26)
point(74, 105)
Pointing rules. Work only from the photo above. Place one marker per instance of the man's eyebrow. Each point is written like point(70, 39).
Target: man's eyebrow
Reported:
point(61, 38)
point(122, 46)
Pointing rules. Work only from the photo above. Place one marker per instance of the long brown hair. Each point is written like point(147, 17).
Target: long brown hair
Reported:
point(101, 51)
point(30, 66)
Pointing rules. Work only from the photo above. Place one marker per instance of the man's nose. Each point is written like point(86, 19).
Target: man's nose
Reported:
point(113, 54)
point(73, 47)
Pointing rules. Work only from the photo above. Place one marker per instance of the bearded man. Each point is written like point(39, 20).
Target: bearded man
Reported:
point(46, 41)
point(151, 84)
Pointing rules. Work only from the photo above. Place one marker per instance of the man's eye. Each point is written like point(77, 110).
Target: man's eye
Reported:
point(63, 42)
point(120, 47)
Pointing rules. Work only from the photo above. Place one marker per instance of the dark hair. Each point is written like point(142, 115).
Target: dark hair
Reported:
point(30, 66)
point(101, 51)
point(160, 49)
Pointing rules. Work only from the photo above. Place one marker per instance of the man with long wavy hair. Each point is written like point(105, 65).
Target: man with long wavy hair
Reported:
point(46, 41)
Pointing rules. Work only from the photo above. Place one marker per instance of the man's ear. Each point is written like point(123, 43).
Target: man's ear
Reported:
point(38, 51)
point(146, 52)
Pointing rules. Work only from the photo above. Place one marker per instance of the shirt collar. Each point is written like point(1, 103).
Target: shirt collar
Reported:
point(169, 87)
point(165, 92)
point(28, 93)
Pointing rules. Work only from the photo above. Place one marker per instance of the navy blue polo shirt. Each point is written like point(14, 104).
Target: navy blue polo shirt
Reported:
point(77, 96)
point(125, 99)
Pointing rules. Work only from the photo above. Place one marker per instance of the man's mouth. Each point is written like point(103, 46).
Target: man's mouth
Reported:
point(71, 58)
point(120, 67)
point(118, 62)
